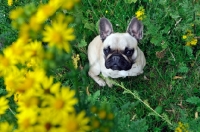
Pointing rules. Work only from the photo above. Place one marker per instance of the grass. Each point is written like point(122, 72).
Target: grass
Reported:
point(170, 77)
point(158, 86)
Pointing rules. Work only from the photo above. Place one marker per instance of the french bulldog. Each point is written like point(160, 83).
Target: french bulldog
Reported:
point(116, 55)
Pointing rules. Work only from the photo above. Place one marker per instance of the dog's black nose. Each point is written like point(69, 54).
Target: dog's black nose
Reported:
point(115, 58)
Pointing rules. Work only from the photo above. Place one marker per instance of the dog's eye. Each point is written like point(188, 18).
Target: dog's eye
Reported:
point(128, 52)
point(107, 50)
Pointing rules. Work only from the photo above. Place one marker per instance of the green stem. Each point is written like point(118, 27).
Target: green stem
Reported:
point(138, 98)
point(12, 111)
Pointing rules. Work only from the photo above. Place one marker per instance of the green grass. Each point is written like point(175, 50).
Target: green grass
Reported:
point(157, 86)
point(159, 89)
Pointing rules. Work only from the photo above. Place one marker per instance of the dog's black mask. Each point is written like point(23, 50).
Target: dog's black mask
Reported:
point(117, 62)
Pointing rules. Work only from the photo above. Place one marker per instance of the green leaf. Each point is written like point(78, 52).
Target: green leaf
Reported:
point(90, 26)
point(138, 126)
point(175, 15)
point(166, 118)
point(183, 68)
point(198, 109)
point(130, 1)
point(193, 100)
point(126, 92)
point(156, 40)
point(159, 109)
point(188, 51)
point(93, 98)
point(83, 43)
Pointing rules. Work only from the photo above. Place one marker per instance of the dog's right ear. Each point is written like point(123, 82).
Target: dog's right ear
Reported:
point(135, 28)
point(105, 28)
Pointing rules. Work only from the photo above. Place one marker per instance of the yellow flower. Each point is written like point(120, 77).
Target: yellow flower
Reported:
point(34, 24)
point(17, 96)
point(184, 37)
point(140, 13)
point(76, 123)
point(24, 32)
point(44, 12)
point(190, 38)
point(14, 14)
point(64, 99)
point(26, 120)
point(61, 101)
point(95, 123)
point(182, 127)
point(6, 127)
point(5, 65)
point(12, 55)
point(3, 105)
point(45, 122)
point(34, 53)
point(194, 41)
point(46, 84)
point(75, 59)
point(10, 2)
point(28, 101)
point(110, 116)
point(58, 35)
point(10, 81)
point(68, 5)
point(102, 114)
point(65, 4)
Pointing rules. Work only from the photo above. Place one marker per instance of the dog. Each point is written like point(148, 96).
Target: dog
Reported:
point(116, 55)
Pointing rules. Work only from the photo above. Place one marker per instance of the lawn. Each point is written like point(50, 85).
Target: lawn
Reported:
point(51, 80)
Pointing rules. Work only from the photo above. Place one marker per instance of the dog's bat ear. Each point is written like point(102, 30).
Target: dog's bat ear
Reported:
point(135, 28)
point(105, 28)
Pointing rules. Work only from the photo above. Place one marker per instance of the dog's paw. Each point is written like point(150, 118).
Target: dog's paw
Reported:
point(109, 83)
point(101, 82)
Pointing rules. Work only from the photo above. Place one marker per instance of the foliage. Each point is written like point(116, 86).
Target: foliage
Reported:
point(164, 98)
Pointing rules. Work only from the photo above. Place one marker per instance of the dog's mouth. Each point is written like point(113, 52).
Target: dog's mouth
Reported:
point(115, 67)
point(118, 62)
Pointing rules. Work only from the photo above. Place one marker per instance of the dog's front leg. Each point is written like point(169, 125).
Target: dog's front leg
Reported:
point(93, 73)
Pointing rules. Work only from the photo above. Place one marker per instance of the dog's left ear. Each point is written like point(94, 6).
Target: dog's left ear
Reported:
point(105, 28)
point(135, 28)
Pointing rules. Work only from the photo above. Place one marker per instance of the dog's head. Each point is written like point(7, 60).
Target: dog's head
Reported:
point(120, 49)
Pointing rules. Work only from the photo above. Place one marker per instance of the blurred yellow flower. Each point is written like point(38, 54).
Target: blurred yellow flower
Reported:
point(47, 123)
point(34, 54)
point(58, 35)
point(75, 59)
point(17, 95)
point(190, 38)
point(28, 101)
point(10, 2)
point(76, 123)
point(26, 119)
point(5, 65)
point(6, 127)
point(62, 102)
point(65, 99)
point(14, 14)
point(10, 81)
point(184, 37)
point(193, 41)
point(3, 105)
point(34, 24)
point(140, 14)
point(110, 116)
point(102, 114)
point(182, 127)
point(44, 12)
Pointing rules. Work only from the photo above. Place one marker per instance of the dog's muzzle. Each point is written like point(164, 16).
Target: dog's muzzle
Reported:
point(117, 62)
